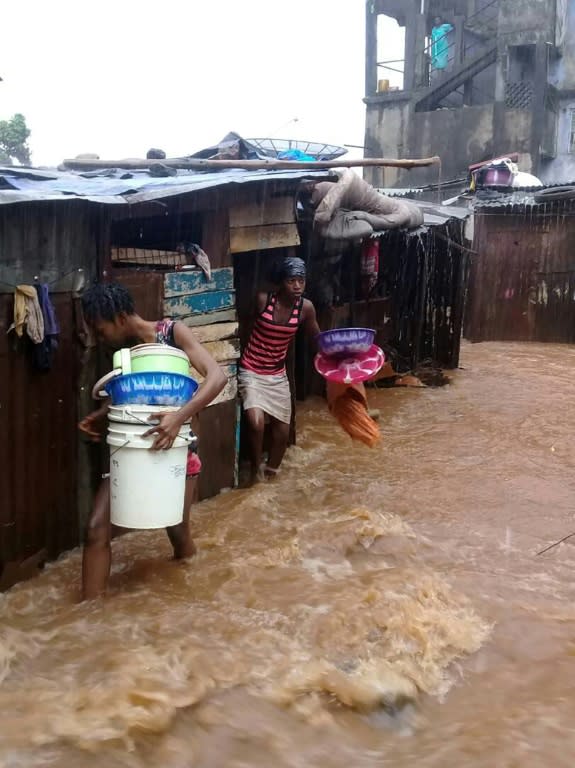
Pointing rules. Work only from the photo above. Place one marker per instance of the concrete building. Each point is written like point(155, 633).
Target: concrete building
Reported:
point(506, 84)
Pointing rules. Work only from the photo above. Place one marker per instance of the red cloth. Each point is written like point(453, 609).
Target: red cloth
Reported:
point(370, 257)
point(194, 465)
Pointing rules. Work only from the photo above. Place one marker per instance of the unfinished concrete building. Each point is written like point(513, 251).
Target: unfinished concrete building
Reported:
point(506, 84)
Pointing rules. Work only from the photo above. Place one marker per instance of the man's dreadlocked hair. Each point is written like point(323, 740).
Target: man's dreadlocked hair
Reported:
point(105, 301)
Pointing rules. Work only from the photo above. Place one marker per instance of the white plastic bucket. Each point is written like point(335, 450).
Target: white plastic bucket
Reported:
point(139, 414)
point(147, 487)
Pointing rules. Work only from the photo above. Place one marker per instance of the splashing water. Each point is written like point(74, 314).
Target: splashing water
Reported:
point(323, 620)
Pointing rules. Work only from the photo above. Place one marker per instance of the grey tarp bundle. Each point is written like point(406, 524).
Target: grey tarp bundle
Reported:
point(352, 209)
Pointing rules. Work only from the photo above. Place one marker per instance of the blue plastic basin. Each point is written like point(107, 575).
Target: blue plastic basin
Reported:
point(152, 388)
point(345, 341)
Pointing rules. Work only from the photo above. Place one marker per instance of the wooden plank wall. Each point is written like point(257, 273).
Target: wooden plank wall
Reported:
point(522, 281)
point(45, 483)
point(209, 306)
point(263, 221)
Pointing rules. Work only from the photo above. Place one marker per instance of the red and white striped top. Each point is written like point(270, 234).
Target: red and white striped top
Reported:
point(266, 350)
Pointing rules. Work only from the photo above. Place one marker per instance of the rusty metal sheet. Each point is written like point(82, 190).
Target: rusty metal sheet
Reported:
point(38, 455)
point(40, 492)
point(522, 285)
point(424, 277)
point(147, 289)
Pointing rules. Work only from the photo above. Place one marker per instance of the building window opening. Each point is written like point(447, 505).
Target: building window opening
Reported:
point(390, 55)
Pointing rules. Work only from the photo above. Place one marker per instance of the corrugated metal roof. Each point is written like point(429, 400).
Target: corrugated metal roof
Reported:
point(519, 198)
point(116, 186)
point(400, 191)
point(435, 216)
point(439, 214)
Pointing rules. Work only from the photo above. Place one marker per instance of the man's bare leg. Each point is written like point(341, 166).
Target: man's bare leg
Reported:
point(256, 425)
point(180, 535)
point(97, 554)
point(278, 445)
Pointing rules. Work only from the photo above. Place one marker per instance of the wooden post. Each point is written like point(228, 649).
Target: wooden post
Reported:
point(193, 164)
point(421, 73)
point(216, 237)
point(458, 23)
point(370, 48)
point(538, 107)
point(411, 52)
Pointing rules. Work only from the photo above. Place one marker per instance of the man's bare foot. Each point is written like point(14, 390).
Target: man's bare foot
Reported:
point(187, 552)
point(270, 473)
point(251, 479)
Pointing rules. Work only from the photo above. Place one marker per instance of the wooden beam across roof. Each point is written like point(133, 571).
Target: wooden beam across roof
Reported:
point(194, 164)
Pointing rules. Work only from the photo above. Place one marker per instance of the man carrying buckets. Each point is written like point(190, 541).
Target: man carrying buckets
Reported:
point(109, 311)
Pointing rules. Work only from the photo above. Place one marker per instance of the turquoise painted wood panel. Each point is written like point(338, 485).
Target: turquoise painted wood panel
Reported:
point(237, 455)
point(181, 283)
point(199, 303)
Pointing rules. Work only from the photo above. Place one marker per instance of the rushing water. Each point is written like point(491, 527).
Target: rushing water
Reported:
point(369, 608)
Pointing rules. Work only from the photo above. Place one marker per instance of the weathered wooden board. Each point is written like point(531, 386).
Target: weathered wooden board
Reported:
point(224, 350)
point(227, 316)
point(199, 303)
point(216, 235)
point(149, 257)
point(217, 429)
point(230, 391)
point(147, 289)
point(182, 283)
point(244, 239)
point(216, 332)
point(270, 210)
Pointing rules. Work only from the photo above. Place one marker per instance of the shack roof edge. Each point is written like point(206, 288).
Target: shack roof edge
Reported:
point(117, 187)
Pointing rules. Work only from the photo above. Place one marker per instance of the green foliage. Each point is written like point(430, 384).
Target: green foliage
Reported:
point(14, 135)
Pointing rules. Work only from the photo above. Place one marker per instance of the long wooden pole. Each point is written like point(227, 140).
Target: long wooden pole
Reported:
point(192, 164)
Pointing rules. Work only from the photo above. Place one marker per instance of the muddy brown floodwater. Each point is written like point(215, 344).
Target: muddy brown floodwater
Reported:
point(370, 608)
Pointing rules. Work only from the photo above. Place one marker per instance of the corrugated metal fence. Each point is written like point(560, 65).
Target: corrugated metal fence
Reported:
point(522, 284)
point(38, 454)
point(426, 277)
point(44, 472)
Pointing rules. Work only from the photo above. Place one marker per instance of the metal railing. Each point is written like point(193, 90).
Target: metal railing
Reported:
point(460, 48)
point(469, 49)
point(385, 65)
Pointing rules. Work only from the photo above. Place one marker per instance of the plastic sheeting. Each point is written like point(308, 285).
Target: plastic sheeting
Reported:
point(116, 186)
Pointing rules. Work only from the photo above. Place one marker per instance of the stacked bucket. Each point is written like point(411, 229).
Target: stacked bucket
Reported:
point(147, 487)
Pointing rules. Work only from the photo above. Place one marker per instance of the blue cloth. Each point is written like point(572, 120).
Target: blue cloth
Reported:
point(44, 350)
point(296, 154)
point(51, 327)
point(292, 266)
point(440, 46)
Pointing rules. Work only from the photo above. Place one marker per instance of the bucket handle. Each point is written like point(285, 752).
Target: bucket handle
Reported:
point(98, 390)
point(192, 439)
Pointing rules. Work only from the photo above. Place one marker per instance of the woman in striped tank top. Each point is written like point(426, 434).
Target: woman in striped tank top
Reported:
point(263, 382)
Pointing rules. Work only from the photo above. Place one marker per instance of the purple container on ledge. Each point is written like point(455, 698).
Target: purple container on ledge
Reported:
point(345, 341)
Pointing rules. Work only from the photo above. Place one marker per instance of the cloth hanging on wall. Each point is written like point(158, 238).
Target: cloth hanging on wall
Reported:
point(27, 314)
point(45, 349)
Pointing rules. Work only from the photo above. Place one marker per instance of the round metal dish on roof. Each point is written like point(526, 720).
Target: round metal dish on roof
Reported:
point(314, 149)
